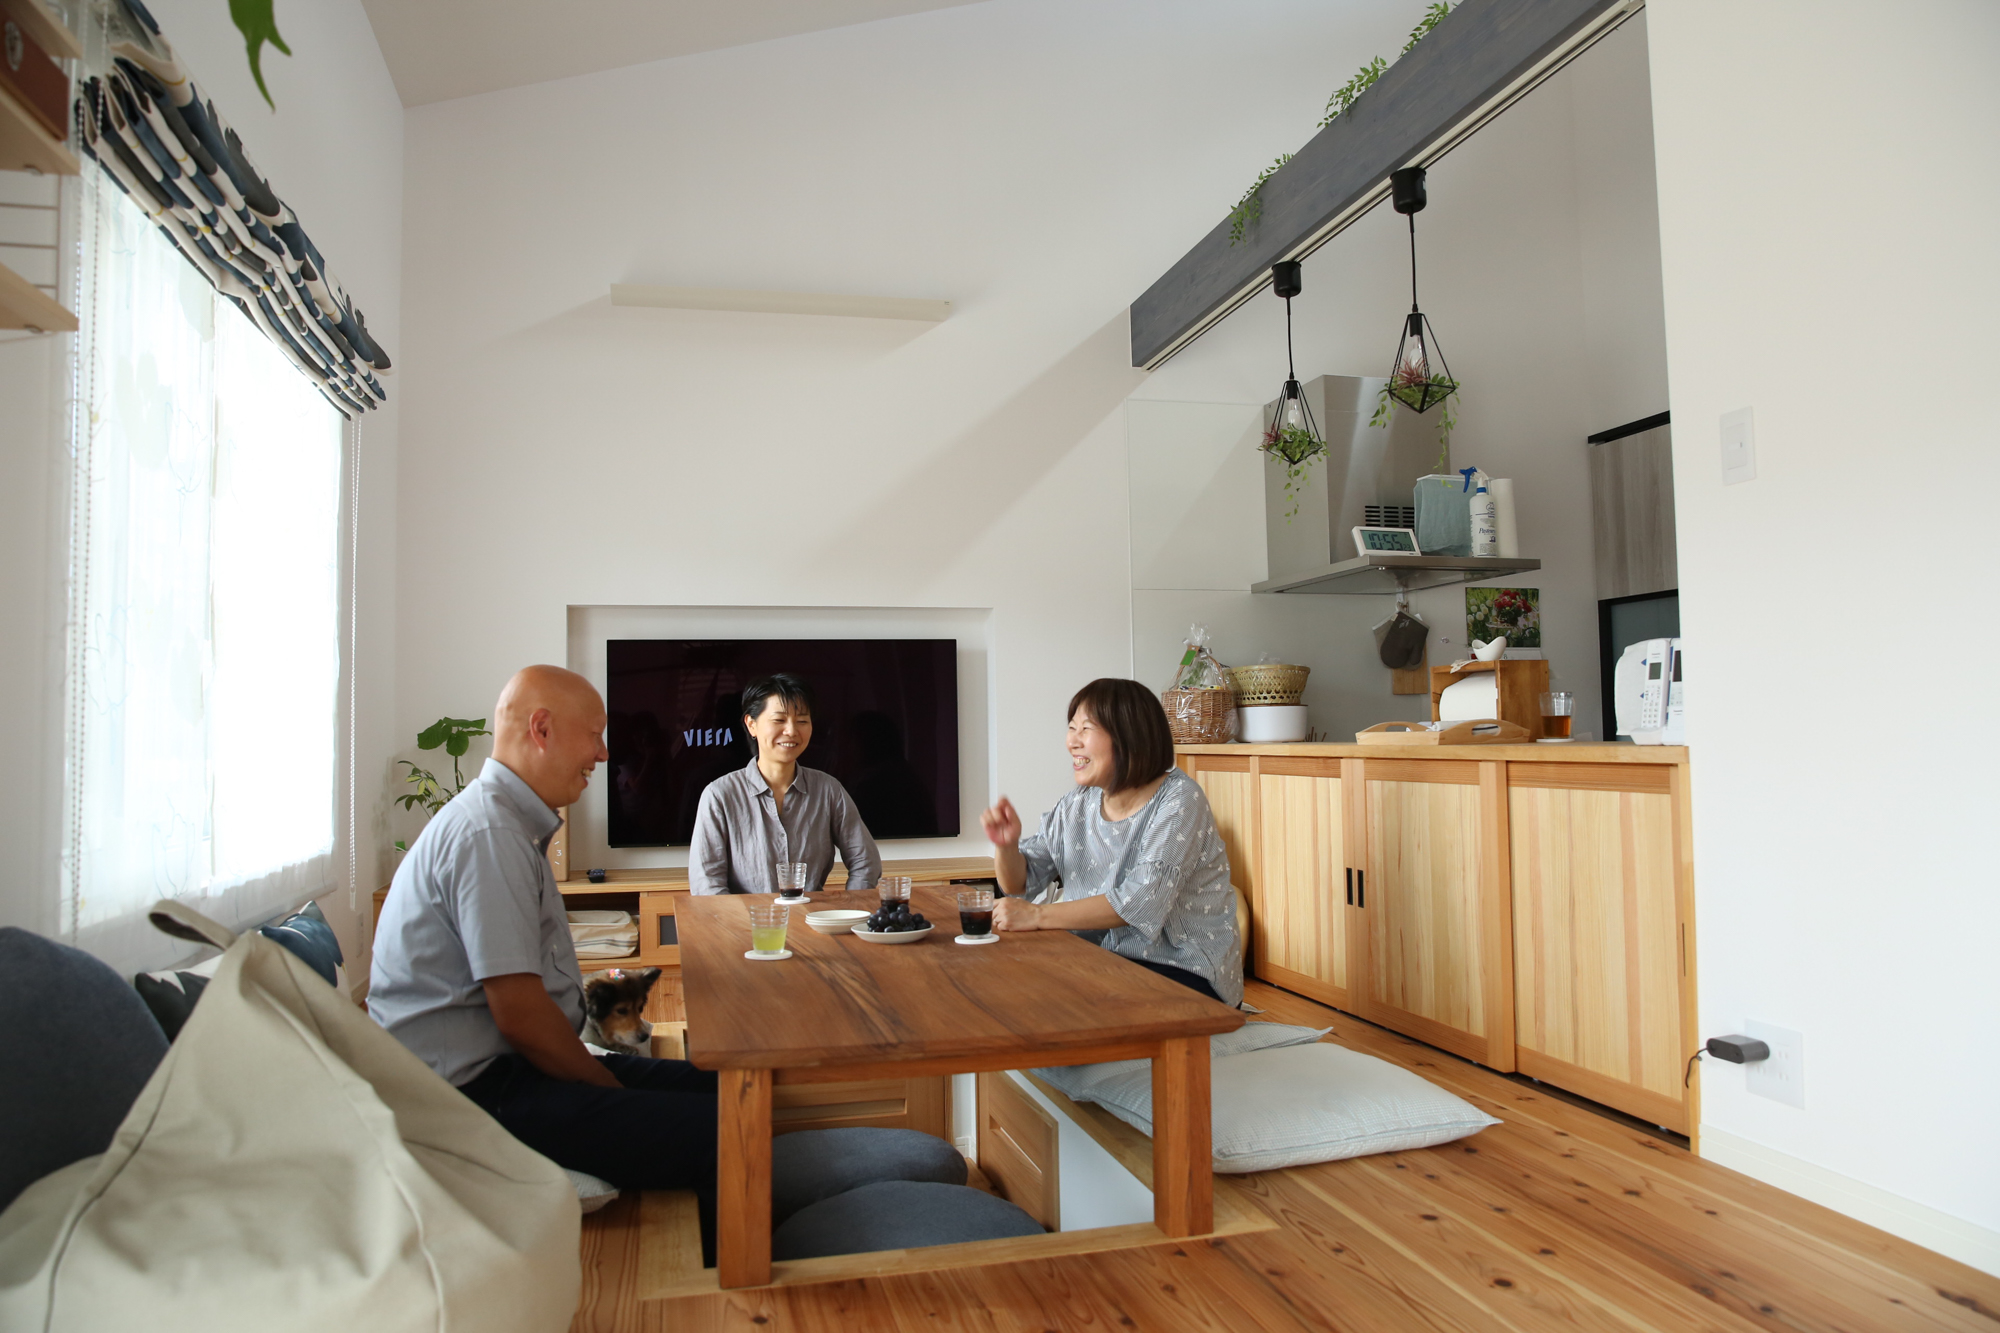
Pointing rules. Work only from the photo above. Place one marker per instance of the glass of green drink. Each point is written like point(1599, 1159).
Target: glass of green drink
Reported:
point(767, 929)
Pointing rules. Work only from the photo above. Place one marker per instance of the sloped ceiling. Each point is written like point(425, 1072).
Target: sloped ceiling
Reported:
point(441, 49)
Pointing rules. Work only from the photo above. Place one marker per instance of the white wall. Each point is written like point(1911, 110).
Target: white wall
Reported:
point(333, 151)
point(1830, 263)
point(1539, 267)
point(1036, 162)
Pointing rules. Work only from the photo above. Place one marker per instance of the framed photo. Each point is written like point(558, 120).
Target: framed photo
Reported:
point(1395, 541)
point(1515, 613)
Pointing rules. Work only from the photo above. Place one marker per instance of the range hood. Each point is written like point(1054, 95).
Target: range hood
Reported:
point(1381, 572)
point(1367, 478)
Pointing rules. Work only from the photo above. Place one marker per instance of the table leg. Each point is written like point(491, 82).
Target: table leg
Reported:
point(743, 1178)
point(1183, 1165)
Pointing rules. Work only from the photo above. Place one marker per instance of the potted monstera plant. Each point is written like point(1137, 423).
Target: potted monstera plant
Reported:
point(454, 736)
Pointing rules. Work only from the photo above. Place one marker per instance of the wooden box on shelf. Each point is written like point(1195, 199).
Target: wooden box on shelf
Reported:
point(1521, 685)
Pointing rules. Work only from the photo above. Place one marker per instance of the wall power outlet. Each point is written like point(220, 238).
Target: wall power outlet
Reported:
point(1782, 1078)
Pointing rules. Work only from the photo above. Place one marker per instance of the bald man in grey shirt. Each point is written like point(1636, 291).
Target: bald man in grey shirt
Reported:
point(475, 971)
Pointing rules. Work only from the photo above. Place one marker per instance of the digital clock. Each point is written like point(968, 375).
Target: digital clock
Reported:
point(1393, 541)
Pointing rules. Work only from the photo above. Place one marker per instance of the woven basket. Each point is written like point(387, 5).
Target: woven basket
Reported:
point(1267, 683)
point(1200, 717)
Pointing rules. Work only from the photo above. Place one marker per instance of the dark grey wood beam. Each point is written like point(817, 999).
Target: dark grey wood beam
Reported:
point(1483, 55)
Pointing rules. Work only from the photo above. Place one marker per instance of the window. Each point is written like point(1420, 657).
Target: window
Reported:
point(205, 654)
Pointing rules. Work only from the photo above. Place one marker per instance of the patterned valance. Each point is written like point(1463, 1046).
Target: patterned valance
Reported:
point(143, 121)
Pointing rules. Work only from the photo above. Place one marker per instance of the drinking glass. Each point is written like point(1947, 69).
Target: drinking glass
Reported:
point(767, 928)
point(791, 881)
point(893, 888)
point(1558, 708)
point(975, 912)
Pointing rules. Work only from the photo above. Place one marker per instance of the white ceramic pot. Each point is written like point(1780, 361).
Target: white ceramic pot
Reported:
point(1272, 724)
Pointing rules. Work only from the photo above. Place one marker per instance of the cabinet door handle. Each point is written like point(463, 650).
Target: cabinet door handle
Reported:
point(1361, 888)
point(1350, 886)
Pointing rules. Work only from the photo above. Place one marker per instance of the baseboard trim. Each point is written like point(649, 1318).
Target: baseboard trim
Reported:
point(1953, 1237)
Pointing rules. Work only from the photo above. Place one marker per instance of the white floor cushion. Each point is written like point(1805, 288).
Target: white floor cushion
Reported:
point(1076, 1080)
point(591, 1193)
point(1291, 1105)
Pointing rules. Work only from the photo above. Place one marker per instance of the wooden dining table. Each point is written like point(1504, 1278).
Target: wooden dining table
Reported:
point(842, 1007)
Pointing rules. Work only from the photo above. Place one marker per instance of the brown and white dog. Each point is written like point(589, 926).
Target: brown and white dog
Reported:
point(613, 1005)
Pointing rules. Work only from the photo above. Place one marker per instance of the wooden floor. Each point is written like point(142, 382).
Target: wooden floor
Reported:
point(1558, 1219)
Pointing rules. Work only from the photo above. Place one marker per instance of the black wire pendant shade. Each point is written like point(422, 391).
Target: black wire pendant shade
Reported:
point(1293, 415)
point(1420, 379)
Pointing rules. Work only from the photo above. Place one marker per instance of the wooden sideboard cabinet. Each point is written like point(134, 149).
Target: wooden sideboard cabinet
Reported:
point(1523, 906)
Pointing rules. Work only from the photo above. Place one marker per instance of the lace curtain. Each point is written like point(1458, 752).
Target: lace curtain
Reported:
point(205, 655)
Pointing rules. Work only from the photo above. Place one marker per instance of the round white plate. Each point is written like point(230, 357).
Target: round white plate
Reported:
point(778, 957)
point(892, 936)
point(1555, 740)
point(975, 939)
point(835, 923)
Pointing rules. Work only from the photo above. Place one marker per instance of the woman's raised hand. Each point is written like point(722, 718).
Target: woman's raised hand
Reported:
point(1002, 824)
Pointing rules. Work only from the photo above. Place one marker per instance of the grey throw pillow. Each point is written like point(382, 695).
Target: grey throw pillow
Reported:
point(816, 1164)
point(79, 1046)
point(898, 1215)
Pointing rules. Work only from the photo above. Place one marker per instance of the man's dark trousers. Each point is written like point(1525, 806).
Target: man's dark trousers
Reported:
point(655, 1133)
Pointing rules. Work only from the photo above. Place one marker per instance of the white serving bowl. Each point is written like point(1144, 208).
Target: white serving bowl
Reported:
point(1271, 724)
point(892, 936)
point(838, 922)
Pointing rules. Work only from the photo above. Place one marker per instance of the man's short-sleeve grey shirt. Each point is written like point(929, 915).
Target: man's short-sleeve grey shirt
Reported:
point(473, 899)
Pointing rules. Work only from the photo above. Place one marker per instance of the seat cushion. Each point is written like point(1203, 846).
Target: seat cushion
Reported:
point(816, 1164)
point(898, 1215)
point(79, 1046)
point(1291, 1105)
point(1077, 1080)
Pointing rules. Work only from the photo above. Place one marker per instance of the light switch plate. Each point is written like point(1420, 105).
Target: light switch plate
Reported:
point(1739, 446)
point(1782, 1078)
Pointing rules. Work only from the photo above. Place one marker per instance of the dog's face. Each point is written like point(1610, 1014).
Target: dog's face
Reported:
point(613, 1005)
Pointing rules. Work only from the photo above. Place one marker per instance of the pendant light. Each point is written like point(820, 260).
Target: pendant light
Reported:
point(1420, 379)
point(1292, 415)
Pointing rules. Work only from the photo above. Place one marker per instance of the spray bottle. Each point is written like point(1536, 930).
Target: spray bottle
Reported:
point(1485, 522)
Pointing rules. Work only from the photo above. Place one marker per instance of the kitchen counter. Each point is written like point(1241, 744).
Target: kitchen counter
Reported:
point(1575, 752)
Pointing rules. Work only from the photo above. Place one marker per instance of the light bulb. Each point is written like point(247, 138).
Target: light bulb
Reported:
point(1294, 415)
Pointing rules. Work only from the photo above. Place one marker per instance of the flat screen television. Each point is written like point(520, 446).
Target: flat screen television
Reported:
point(885, 725)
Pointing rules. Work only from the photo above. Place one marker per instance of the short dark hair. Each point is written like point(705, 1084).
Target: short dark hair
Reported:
point(1141, 746)
point(784, 685)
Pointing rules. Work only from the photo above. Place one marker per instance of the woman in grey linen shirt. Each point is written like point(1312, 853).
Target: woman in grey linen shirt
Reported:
point(776, 809)
point(1134, 847)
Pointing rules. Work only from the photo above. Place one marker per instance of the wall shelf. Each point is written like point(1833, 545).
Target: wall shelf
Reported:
point(26, 146)
point(1380, 572)
point(40, 22)
point(26, 306)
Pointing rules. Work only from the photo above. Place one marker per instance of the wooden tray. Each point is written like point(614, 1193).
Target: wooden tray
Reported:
point(1486, 731)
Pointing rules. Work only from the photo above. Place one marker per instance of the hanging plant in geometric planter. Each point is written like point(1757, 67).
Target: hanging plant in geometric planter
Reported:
point(1293, 436)
point(1419, 379)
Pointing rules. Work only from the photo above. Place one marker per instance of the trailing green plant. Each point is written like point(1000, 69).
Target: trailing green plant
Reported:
point(454, 735)
point(1409, 393)
point(1251, 206)
point(1296, 447)
point(1431, 18)
point(1343, 96)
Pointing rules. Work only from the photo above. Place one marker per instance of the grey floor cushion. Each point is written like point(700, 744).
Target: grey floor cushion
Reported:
point(897, 1215)
point(79, 1046)
point(816, 1164)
